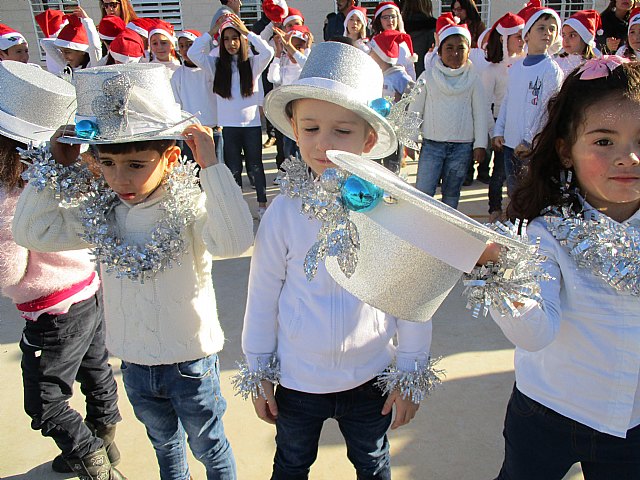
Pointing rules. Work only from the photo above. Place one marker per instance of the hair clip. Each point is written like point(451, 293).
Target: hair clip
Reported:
point(600, 67)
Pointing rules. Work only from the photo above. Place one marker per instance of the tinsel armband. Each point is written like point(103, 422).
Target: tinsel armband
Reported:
point(247, 382)
point(414, 384)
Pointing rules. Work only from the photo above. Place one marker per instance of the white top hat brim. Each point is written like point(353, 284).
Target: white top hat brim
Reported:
point(329, 91)
point(23, 131)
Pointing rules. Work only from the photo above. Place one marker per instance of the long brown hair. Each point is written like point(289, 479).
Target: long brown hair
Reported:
point(11, 167)
point(224, 72)
point(417, 6)
point(540, 184)
point(128, 13)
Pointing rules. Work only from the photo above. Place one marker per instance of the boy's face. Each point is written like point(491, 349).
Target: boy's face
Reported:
point(320, 126)
point(17, 53)
point(541, 35)
point(135, 176)
point(183, 47)
point(74, 58)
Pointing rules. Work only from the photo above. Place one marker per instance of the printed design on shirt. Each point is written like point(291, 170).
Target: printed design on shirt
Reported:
point(535, 88)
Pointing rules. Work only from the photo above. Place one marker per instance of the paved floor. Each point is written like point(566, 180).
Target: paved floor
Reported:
point(457, 434)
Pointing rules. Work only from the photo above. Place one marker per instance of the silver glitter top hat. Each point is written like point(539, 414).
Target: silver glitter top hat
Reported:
point(341, 74)
point(33, 102)
point(126, 103)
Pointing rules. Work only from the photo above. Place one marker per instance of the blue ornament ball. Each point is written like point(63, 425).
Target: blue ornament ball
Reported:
point(87, 129)
point(382, 106)
point(359, 195)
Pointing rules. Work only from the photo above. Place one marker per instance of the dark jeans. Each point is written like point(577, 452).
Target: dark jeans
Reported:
point(217, 140)
point(56, 351)
point(541, 444)
point(496, 181)
point(279, 149)
point(289, 147)
point(512, 168)
point(357, 411)
point(249, 140)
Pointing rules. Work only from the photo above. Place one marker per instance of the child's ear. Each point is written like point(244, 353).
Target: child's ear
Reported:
point(172, 155)
point(370, 140)
point(563, 149)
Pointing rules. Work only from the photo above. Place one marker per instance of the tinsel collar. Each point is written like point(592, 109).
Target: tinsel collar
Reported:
point(606, 248)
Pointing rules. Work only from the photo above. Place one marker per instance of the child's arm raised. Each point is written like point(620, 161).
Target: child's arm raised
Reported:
point(199, 53)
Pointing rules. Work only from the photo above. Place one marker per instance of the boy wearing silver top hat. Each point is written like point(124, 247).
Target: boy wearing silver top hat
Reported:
point(153, 234)
point(323, 345)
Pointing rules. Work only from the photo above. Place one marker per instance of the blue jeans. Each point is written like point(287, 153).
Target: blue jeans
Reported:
point(448, 161)
point(57, 350)
point(512, 169)
point(289, 147)
point(357, 411)
point(496, 181)
point(249, 140)
point(171, 400)
point(541, 444)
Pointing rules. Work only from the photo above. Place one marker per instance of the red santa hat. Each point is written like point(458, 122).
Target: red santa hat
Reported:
point(10, 37)
point(110, 27)
point(294, 14)
point(448, 25)
point(588, 24)
point(300, 31)
point(382, 6)
point(360, 12)
point(127, 47)
point(73, 35)
point(51, 22)
point(634, 16)
point(387, 45)
point(142, 26)
point(275, 10)
point(508, 24)
point(163, 28)
point(190, 34)
point(532, 12)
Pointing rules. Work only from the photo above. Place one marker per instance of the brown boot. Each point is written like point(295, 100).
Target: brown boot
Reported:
point(95, 466)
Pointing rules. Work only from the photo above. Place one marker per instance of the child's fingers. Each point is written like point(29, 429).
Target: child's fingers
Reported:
point(388, 405)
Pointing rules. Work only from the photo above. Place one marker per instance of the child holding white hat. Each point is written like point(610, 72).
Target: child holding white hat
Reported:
point(323, 345)
point(153, 234)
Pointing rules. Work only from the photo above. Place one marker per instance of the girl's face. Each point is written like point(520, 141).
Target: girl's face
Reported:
point(389, 19)
point(624, 5)
point(183, 47)
point(291, 24)
point(605, 157)
point(572, 42)
point(231, 41)
point(455, 51)
point(459, 12)
point(17, 53)
point(515, 44)
point(74, 58)
point(161, 47)
point(298, 44)
point(112, 7)
point(634, 37)
point(354, 25)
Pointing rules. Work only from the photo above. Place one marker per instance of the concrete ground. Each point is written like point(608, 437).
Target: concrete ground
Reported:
point(457, 434)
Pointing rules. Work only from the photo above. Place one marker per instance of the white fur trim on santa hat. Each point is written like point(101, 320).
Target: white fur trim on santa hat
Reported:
point(386, 7)
point(376, 48)
point(635, 20)
point(353, 12)
point(291, 18)
point(509, 31)
point(584, 33)
point(454, 30)
point(124, 58)
point(164, 32)
point(71, 45)
point(536, 15)
point(188, 35)
point(139, 30)
point(11, 39)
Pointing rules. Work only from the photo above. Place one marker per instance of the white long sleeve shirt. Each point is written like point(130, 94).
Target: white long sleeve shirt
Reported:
point(523, 110)
point(283, 71)
point(578, 354)
point(193, 90)
point(237, 111)
point(172, 317)
point(325, 338)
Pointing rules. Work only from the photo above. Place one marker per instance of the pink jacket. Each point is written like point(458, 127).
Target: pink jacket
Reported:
point(28, 275)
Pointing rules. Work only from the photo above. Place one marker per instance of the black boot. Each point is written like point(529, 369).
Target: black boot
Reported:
point(107, 433)
point(94, 466)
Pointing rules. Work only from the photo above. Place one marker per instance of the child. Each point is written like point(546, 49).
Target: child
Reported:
point(632, 49)
point(505, 46)
point(355, 27)
point(236, 83)
point(330, 345)
point(577, 360)
point(126, 48)
point(193, 90)
point(384, 48)
point(161, 44)
point(51, 23)
point(154, 235)
point(532, 81)
point(57, 293)
point(387, 17)
point(579, 39)
point(13, 46)
point(454, 113)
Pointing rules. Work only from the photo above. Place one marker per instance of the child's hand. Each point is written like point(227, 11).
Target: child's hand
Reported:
point(498, 143)
point(491, 254)
point(266, 410)
point(200, 140)
point(239, 24)
point(79, 12)
point(405, 409)
point(522, 151)
point(63, 153)
point(478, 155)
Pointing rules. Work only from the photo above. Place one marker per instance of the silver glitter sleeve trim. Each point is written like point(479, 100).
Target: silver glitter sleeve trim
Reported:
point(246, 382)
point(70, 184)
point(513, 279)
point(415, 384)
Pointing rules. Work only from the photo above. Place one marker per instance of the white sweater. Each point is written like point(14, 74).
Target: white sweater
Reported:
point(193, 89)
point(523, 110)
point(452, 105)
point(325, 338)
point(283, 71)
point(172, 317)
point(237, 111)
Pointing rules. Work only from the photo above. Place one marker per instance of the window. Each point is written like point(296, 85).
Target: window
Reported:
point(167, 10)
point(568, 8)
point(39, 6)
point(250, 12)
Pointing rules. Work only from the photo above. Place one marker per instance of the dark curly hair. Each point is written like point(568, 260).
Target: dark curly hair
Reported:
point(11, 167)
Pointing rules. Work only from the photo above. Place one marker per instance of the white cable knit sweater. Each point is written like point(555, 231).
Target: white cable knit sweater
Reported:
point(171, 318)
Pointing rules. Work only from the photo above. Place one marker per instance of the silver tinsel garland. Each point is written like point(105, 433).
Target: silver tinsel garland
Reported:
point(246, 382)
point(405, 122)
point(415, 384)
point(513, 279)
point(167, 244)
point(70, 184)
point(607, 249)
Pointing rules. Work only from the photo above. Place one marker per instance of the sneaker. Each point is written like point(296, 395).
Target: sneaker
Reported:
point(271, 141)
point(261, 211)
